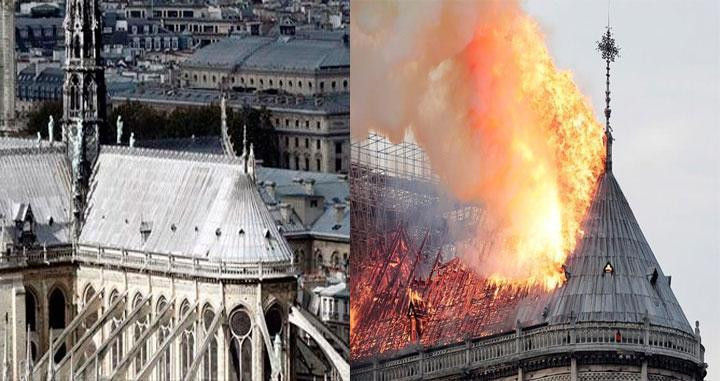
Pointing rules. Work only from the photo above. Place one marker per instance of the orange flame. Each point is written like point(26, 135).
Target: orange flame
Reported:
point(502, 126)
point(534, 118)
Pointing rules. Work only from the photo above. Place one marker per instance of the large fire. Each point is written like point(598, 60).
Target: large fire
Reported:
point(502, 125)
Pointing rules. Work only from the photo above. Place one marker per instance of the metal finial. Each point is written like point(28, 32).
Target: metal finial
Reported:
point(609, 52)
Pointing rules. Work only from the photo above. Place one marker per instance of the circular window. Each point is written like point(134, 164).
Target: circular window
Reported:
point(240, 323)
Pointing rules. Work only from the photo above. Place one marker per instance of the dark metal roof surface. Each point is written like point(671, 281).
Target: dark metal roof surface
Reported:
point(612, 235)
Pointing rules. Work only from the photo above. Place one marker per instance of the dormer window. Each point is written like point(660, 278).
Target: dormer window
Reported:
point(145, 230)
point(608, 269)
point(25, 223)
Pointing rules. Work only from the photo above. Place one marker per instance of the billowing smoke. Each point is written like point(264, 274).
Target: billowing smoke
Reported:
point(503, 127)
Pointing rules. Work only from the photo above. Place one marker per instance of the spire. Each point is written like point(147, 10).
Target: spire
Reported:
point(609, 52)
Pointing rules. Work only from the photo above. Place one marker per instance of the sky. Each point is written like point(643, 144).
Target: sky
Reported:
point(666, 120)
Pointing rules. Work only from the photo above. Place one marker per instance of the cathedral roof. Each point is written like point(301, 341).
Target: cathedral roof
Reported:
point(37, 178)
point(614, 275)
point(198, 205)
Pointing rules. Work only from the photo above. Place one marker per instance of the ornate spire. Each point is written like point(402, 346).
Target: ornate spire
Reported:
point(609, 52)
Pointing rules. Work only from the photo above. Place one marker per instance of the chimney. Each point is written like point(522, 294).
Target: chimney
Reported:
point(285, 211)
point(339, 213)
point(309, 186)
point(270, 189)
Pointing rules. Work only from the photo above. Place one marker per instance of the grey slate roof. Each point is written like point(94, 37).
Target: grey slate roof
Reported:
point(198, 205)
point(327, 104)
point(267, 53)
point(612, 234)
point(334, 188)
point(39, 177)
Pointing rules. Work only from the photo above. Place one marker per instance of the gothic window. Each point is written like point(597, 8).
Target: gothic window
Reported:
point(210, 358)
point(76, 47)
point(335, 258)
point(319, 260)
point(87, 296)
point(141, 325)
point(187, 341)
point(56, 308)
point(163, 365)
point(116, 348)
point(92, 90)
point(241, 345)
point(274, 322)
point(31, 309)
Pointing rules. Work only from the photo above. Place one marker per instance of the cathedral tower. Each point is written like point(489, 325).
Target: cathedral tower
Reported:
point(83, 95)
point(7, 65)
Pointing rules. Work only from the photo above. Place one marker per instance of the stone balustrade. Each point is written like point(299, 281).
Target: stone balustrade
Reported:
point(534, 342)
point(146, 261)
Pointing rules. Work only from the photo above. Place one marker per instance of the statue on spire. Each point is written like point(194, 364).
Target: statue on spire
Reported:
point(609, 52)
point(51, 130)
point(119, 129)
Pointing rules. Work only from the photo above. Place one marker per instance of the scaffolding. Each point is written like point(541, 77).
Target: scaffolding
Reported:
point(387, 181)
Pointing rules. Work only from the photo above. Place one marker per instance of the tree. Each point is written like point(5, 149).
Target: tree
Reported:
point(38, 119)
point(260, 132)
point(143, 120)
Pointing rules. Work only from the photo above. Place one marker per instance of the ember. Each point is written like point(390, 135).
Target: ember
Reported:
point(401, 302)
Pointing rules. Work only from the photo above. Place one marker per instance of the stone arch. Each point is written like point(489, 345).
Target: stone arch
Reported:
point(32, 308)
point(210, 362)
point(88, 293)
point(116, 348)
point(137, 331)
point(318, 260)
point(187, 340)
point(240, 350)
point(57, 306)
point(164, 365)
point(58, 315)
point(275, 321)
point(335, 259)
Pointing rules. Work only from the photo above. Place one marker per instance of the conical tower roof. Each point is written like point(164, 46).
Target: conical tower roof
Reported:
point(613, 273)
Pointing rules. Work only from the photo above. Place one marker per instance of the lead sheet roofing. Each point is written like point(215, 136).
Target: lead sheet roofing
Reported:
point(196, 205)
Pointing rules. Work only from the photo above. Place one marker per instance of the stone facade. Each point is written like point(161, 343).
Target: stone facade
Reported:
point(75, 282)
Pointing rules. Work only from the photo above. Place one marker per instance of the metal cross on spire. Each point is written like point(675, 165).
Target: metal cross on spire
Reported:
point(609, 52)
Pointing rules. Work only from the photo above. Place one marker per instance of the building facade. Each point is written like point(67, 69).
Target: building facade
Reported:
point(313, 64)
point(313, 132)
